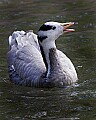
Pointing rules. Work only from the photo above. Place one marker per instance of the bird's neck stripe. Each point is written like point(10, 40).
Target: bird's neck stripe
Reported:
point(44, 57)
point(46, 60)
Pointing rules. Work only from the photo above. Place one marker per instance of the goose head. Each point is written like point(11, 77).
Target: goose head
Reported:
point(50, 31)
point(47, 35)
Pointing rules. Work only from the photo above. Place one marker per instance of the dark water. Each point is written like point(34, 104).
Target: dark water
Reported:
point(73, 103)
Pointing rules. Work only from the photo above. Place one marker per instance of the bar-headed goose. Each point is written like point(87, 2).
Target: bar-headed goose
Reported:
point(34, 60)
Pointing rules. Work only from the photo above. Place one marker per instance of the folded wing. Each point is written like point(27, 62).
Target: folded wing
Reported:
point(25, 62)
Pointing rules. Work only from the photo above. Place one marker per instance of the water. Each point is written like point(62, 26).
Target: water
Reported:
point(73, 103)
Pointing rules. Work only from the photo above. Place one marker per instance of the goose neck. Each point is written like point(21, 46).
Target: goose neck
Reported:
point(51, 58)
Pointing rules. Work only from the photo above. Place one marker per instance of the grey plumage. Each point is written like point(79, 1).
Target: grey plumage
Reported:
point(26, 63)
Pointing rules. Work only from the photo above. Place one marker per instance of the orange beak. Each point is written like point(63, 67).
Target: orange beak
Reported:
point(66, 27)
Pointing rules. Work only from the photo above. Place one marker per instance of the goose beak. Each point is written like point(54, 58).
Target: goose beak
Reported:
point(66, 27)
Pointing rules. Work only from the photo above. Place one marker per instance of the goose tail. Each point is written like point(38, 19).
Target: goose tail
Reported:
point(19, 39)
point(13, 39)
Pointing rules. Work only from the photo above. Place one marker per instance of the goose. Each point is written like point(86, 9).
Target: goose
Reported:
point(34, 60)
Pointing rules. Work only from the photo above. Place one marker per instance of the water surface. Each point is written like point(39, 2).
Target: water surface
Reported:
point(73, 103)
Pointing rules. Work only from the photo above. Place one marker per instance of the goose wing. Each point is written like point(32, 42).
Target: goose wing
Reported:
point(25, 62)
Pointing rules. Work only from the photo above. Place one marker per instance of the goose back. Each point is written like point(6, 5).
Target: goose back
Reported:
point(25, 62)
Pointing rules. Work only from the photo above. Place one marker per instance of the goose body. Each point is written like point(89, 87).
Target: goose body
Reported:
point(34, 60)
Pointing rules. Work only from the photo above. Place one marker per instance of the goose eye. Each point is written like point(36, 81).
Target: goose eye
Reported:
point(54, 28)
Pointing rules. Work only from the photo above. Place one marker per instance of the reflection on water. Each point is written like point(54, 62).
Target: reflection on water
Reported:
point(73, 103)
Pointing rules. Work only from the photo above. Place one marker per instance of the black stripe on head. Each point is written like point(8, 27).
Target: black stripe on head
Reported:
point(41, 38)
point(47, 27)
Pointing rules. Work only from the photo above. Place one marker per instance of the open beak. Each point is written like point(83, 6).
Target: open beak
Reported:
point(66, 27)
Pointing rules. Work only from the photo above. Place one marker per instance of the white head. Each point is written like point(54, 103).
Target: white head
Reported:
point(50, 31)
point(47, 35)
